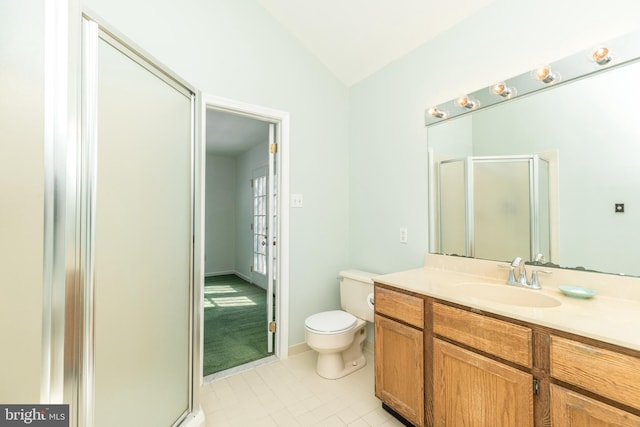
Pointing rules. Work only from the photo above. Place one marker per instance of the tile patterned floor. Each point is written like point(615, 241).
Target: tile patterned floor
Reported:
point(289, 393)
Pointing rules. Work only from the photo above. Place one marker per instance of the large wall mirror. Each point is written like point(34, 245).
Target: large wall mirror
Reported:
point(579, 205)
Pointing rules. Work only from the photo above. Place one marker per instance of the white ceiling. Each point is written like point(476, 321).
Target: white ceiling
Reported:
point(356, 38)
point(231, 134)
point(352, 38)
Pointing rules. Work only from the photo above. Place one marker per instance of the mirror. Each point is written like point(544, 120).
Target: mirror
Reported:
point(587, 123)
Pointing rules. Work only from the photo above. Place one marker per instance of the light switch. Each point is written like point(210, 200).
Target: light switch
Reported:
point(403, 235)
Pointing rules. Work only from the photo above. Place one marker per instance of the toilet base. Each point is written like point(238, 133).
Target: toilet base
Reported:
point(332, 367)
point(337, 365)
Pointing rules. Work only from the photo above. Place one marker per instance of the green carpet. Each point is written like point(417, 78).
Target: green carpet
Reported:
point(235, 314)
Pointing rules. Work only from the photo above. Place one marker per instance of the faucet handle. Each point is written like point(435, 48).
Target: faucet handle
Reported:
point(535, 283)
point(511, 280)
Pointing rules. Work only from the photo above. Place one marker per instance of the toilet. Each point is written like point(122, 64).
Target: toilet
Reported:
point(338, 335)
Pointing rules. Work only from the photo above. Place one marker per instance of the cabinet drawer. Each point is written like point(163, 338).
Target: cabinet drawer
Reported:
point(571, 409)
point(605, 372)
point(406, 308)
point(503, 339)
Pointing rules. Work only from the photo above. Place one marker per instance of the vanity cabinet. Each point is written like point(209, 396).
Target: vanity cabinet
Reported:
point(471, 389)
point(444, 364)
point(572, 409)
point(603, 372)
point(399, 353)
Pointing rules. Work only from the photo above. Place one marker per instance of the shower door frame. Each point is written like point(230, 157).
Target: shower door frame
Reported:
point(534, 218)
point(67, 338)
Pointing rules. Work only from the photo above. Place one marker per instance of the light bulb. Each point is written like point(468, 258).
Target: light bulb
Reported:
point(602, 56)
point(465, 102)
point(502, 90)
point(437, 113)
point(545, 75)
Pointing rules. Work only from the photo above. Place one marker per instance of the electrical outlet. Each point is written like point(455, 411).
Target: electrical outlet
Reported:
point(403, 235)
point(297, 201)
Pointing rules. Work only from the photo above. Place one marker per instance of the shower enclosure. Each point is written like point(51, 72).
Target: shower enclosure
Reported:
point(493, 207)
point(123, 288)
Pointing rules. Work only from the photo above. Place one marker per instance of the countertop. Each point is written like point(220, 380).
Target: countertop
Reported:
point(607, 318)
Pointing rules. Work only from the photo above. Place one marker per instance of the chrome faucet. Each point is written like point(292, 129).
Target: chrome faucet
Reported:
point(511, 280)
point(521, 273)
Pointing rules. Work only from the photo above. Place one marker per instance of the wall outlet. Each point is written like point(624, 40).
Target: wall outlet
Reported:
point(297, 201)
point(403, 235)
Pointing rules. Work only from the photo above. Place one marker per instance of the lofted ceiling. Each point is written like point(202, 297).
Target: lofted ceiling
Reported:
point(356, 38)
point(352, 38)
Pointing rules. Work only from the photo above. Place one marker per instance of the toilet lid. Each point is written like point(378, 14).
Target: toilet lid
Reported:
point(330, 322)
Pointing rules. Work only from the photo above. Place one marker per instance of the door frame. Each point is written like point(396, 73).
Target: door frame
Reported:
point(281, 119)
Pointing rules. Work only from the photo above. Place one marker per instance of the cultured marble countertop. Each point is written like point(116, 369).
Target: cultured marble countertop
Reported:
point(607, 318)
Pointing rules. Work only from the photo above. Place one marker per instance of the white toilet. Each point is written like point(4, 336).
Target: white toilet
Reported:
point(338, 336)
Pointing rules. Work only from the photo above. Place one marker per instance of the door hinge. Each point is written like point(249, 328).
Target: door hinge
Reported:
point(272, 326)
point(536, 386)
point(273, 148)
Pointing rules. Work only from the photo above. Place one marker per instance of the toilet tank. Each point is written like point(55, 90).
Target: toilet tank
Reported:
point(355, 288)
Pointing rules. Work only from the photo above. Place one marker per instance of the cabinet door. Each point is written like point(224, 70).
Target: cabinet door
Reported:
point(570, 409)
point(472, 390)
point(400, 368)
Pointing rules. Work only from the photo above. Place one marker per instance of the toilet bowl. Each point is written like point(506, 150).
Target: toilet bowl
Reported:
point(338, 335)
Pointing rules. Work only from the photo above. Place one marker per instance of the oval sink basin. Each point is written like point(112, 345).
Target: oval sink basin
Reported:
point(507, 294)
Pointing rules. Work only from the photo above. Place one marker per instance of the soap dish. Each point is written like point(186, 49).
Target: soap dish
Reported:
point(577, 292)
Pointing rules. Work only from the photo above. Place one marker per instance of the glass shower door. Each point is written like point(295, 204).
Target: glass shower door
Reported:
point(141, 248)
point(502, 208)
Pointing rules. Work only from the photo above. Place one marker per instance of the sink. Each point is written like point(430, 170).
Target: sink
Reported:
point(507, 294)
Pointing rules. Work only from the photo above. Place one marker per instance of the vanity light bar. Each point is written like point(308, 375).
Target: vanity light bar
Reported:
point(626, 48)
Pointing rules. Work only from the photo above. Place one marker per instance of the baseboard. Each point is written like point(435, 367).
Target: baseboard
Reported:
point(195, 419)
point(369, 347)
point(244, 277)
point(219, 273)
point(298, 348)
point(225, 273)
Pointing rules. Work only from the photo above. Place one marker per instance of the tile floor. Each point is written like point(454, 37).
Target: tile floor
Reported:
point(290, 393)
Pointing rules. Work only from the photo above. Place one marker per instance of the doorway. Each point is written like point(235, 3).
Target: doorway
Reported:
point(245, 253)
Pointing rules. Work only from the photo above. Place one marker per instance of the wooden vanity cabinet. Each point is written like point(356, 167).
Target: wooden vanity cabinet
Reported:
point(471, 389)
point(443, 364)
point(399, 353)
point(572, 409)
point(604, 372)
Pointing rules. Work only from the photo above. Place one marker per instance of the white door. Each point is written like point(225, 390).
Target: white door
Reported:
point(272, 208)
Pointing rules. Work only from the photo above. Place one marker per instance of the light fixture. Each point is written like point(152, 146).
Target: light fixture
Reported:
point(437, 113)
point(466, 102)
point(544, 74)
point(602, 56)
point(502, 89)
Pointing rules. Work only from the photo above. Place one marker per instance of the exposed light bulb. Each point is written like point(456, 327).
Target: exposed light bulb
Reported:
point(466, 102)
point(545, 75)
point(602, 56)
point(437, 113)
point(502, 89)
